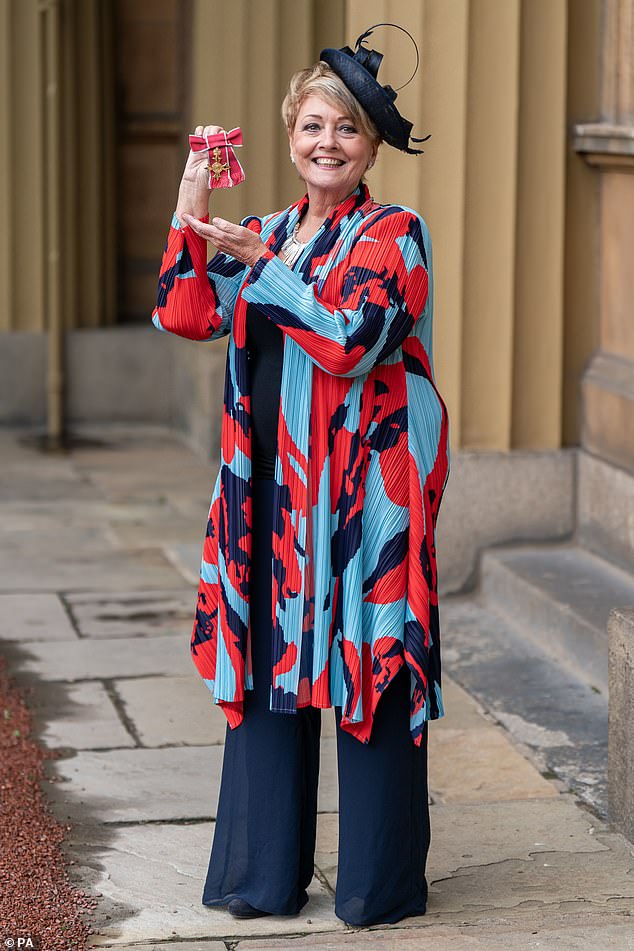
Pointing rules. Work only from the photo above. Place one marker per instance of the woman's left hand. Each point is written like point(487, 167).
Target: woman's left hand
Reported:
point(241, 243)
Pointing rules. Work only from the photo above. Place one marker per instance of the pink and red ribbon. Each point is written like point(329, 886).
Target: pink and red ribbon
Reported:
point(232, 173)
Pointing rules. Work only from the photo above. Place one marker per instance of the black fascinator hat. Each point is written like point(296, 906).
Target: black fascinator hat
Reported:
point(358, 71)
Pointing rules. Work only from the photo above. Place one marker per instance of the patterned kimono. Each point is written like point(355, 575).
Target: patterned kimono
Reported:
point(361, 461)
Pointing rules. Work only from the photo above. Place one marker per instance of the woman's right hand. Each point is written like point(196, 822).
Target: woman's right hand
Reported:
point(196, 172)
point(194, 191)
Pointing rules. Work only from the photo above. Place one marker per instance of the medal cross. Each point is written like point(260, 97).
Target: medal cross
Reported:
point(217, 168)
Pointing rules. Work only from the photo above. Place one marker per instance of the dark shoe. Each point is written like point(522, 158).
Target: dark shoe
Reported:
point(240, 908)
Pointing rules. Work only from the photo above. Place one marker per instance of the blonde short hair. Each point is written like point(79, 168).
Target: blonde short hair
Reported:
point(321, 80)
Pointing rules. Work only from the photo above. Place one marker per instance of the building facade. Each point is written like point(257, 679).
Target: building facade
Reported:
point(526, 185)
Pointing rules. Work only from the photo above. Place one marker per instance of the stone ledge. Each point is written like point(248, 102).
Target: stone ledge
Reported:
point(607, 400)
point(498, 497)
point(605, 144)
point(605, 502)
point(121, 374)
point(620, 736)
point(560, 596)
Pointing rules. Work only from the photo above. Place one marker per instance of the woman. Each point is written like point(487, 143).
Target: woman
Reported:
point(318, 579)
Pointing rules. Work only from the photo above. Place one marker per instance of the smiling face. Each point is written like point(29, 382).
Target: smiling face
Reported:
point(331, 153)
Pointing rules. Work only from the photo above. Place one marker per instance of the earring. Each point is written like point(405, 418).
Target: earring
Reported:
point(292, 158)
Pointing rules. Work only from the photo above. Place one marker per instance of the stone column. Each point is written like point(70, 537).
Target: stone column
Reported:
point(621, 737)
point(607, 388)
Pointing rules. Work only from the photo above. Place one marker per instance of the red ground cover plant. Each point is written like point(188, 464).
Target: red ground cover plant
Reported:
point(37, 899)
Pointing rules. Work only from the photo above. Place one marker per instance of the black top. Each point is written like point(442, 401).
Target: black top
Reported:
point(265, 345)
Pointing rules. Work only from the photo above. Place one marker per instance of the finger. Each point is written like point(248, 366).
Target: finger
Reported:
point(215, 234)
point(223, 225)
point(207, 231)
point(212, 129)
point(198, 226)
point(198, 130)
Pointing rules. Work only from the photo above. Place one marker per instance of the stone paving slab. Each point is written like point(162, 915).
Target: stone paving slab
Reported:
point(328, 794)
point(40, 480)
point(142, 785)
point(156, 871)
point(327, 846)
point(34, 617)
point(133, 613)
point(131, 485)
point(70, 570)
point(143, 463)
point(600, 936)
point(327, 829)
point(15, 448)
point(157, 532)
point(134, 450)
point(139, 785)
point(466, 835)
point(28, 516)
point(34, 517)
point(186, 559)
point(116, 443)
point(181, 710)
point(50, 516)
point(151, 879)
point(328, 724)
point(212, 945)
point(173, 710)
point(57, 542)
point(547, 881)
point(176, 465)
point(179, 596)
point(461, 711)
point(192, 506)
point(538, 702)
point(103, 658)
point(126, 520)
point(80, 716)
point(480, 764)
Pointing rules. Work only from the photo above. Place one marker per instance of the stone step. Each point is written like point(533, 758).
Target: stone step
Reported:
point(558, 719)
point(558, 596)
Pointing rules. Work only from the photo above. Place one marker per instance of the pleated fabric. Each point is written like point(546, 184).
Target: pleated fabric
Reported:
point(265, 831)
point(266, 824)
point(361, 464)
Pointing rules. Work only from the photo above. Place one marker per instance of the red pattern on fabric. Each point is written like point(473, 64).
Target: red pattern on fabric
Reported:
point(370, 280)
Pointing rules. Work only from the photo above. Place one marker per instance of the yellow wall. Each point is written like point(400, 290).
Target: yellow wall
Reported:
point(582, 222)
point(492, 90)
point(21, 136)
point(510, 209)
point(269, 41)
point(536, 398)
point(86, 202)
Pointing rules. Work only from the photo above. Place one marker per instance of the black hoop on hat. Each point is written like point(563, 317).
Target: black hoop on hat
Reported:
point(368, 32)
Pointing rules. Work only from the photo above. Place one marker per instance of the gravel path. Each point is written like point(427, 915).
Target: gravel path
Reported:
point(37, 899)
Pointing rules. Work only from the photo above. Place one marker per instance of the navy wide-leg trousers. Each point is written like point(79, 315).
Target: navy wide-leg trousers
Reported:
point(264, 841)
